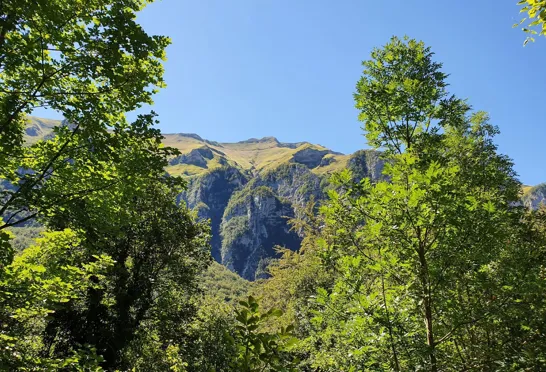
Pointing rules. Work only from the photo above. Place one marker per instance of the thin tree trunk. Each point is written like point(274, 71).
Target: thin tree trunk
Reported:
point(393, 345)
point(427, 309)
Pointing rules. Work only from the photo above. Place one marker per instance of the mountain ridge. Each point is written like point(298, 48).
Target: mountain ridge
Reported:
point(254, 154)
point(249, 190)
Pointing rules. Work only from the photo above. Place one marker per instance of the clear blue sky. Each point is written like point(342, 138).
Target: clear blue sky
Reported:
point(287, 68)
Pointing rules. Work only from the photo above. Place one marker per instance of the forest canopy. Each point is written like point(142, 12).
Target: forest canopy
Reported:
point(433, 265)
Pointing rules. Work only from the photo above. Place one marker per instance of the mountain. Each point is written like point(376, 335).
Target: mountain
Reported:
point(39, 128)
point(534, 196)
point(254, 156)
point(250, 189)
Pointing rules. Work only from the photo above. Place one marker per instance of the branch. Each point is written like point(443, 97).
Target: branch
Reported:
point(30, 216)
point(25, 186)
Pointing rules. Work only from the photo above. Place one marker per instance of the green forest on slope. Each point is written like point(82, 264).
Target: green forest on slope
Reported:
point(423, 254)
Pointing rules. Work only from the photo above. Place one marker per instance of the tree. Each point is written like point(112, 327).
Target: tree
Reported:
point(257, 350)
point(214, 320)
point(294, 279)
point(91, 62)
point(43, 278)
point(158, 250)
point(535, 22)
point(99, 176)
point(432, 266)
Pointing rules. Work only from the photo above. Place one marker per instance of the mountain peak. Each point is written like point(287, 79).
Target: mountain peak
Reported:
point(191, 135)
point(261, 140)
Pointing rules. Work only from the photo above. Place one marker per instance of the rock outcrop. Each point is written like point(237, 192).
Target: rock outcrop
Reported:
point(309, 157)
point(535, 197)
point(254, 223)
point(210, 194)
point(195, 157)
point(250, 210)
point(367, 163)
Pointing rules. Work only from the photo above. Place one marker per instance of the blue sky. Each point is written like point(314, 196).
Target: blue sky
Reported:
point(288, 68)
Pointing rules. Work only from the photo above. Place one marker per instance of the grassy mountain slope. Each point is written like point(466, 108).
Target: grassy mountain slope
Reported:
point(253, 155)
point(39, 128)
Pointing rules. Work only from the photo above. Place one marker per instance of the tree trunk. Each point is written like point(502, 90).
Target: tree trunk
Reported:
point(427, 309)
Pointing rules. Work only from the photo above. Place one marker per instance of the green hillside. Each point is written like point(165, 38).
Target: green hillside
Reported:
point(253, 155)
point(39, 128)
point(199, 155)
point(218, 282)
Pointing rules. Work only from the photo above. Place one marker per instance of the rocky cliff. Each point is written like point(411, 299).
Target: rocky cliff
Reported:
point(534, 197)
point(251, 189)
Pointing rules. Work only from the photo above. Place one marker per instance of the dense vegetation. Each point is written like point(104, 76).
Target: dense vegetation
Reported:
point(432, 261)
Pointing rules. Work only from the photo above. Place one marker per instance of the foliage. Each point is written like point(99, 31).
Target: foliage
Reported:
point(294, 280)
point(91, 62)
point(43, 278)
point(433, 265)
point(256, 350)
point(158, 250)
point(224, 285)
point(296, 275)
point(207, 332)
point(535, 21)
point(24, 236)
point(235, 334)
point(431, 269)
point(126, 279)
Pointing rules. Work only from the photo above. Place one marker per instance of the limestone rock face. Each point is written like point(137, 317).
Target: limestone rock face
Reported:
point(293, 182)
point(210, 194)
point(367, 163)
point(249, 215)
point(256, 219)
point(309, 157)
point(535, 196)
point(254, 223)
point(33, 130)
point(195, 157)
point(249, 210)
point(327, 161)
